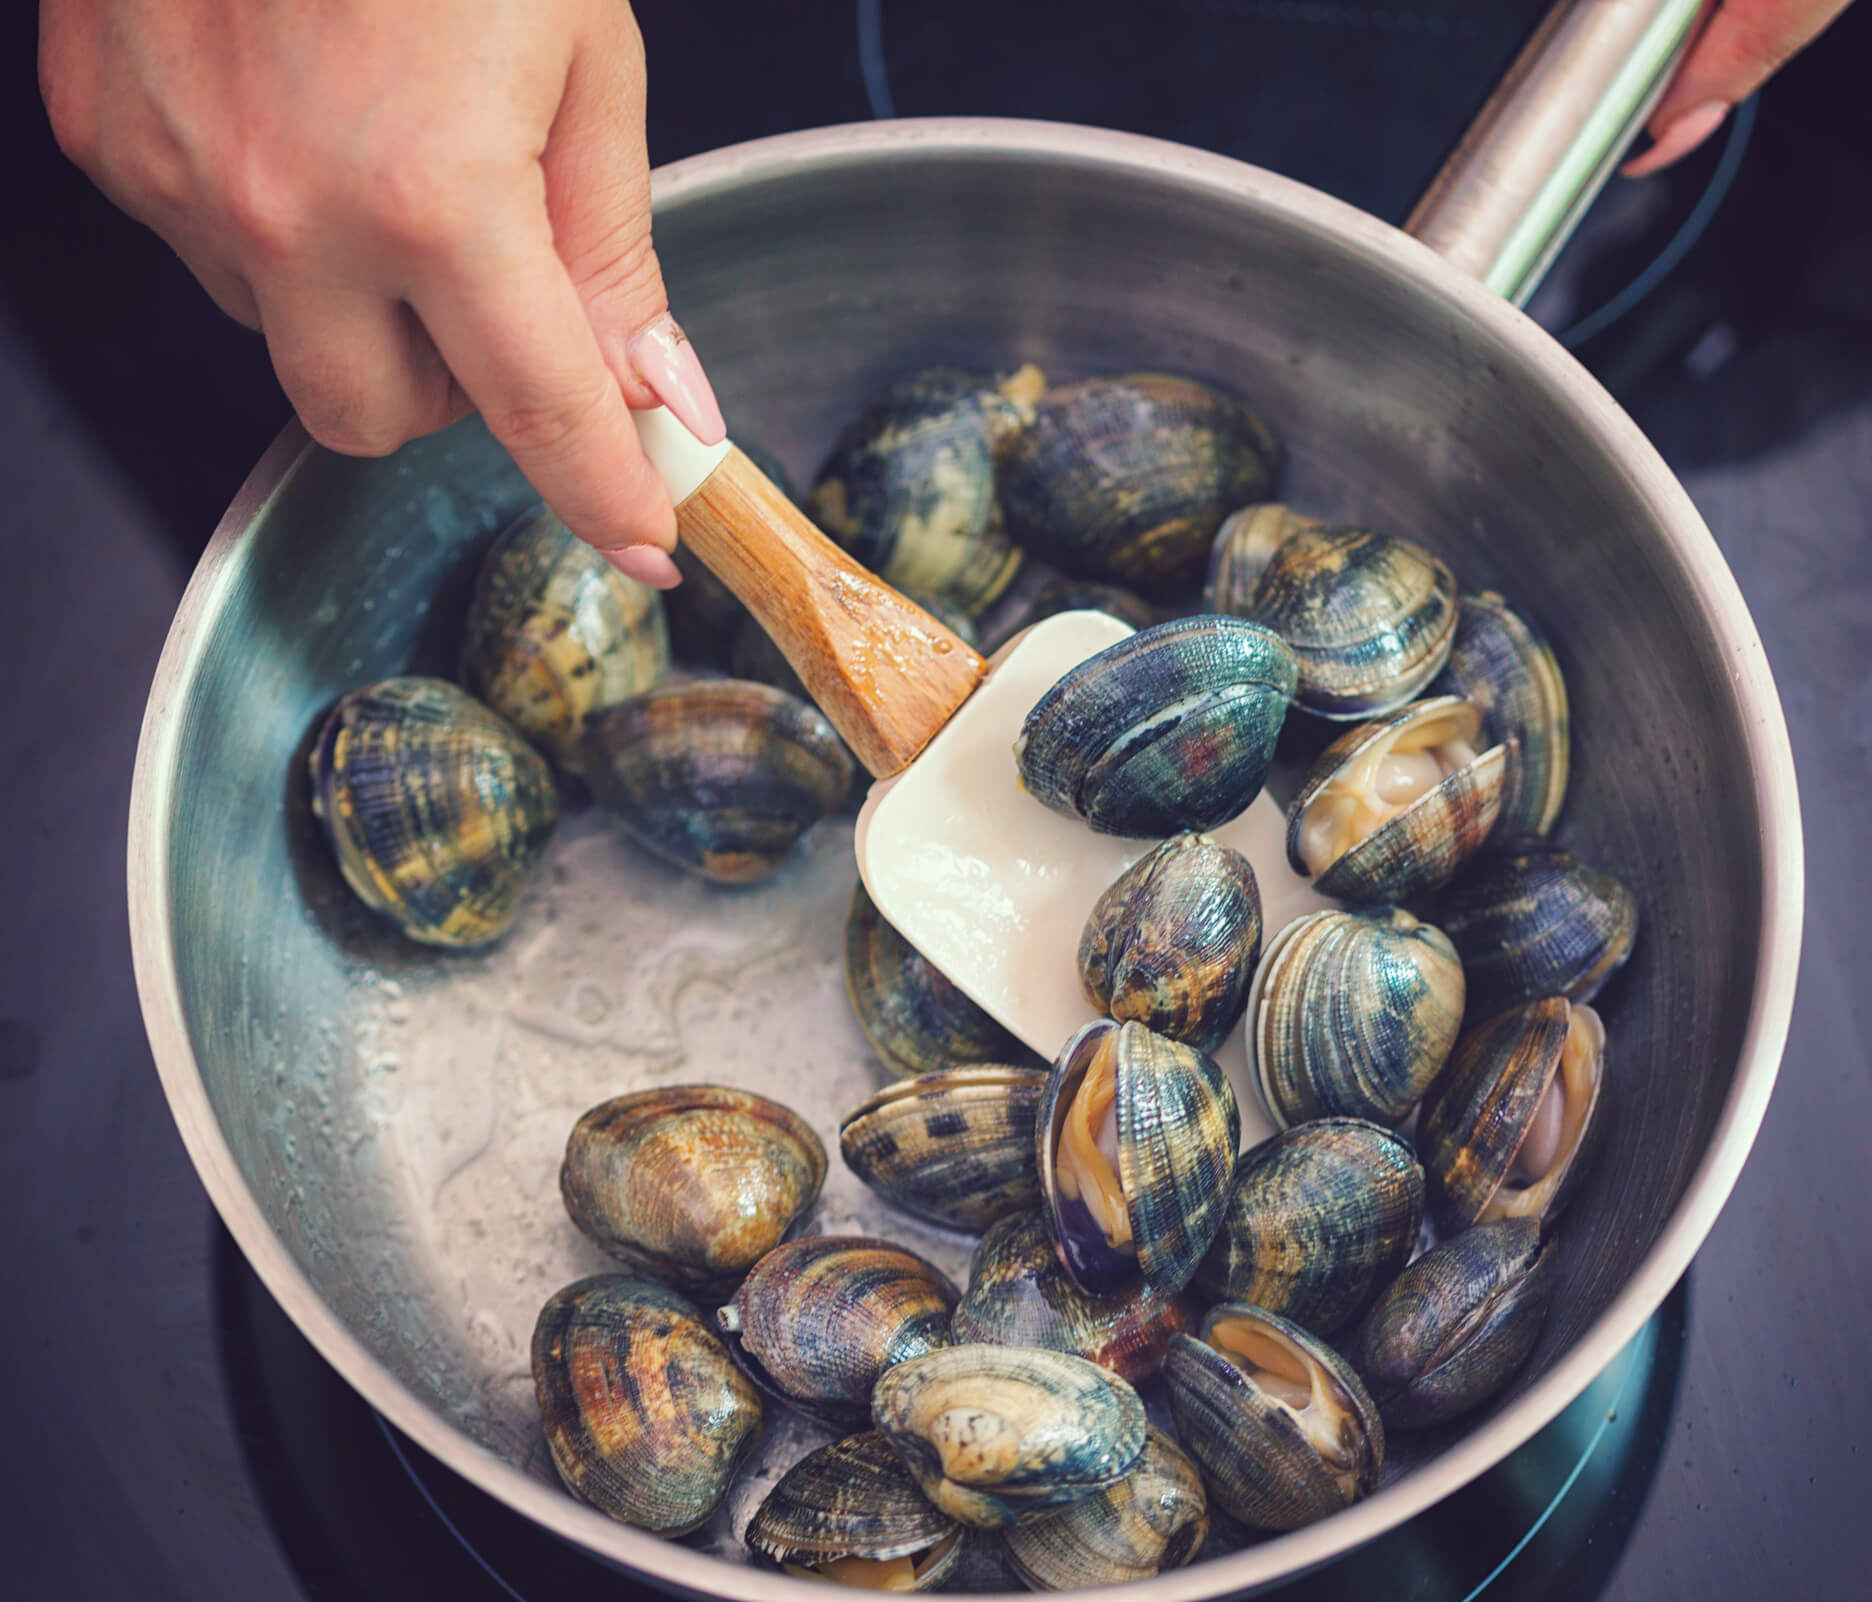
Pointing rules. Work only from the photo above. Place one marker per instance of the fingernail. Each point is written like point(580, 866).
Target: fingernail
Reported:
point(647, 564)
point(1678, 139)
point(663, 358)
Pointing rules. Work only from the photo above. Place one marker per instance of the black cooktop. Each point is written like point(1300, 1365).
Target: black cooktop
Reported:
point(171, 1436)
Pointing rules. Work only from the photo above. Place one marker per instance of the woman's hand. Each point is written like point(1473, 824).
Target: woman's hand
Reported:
point(427, 207)
point(1743, 44)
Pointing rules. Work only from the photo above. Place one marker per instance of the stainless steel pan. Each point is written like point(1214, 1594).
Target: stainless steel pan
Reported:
point(380, 1126)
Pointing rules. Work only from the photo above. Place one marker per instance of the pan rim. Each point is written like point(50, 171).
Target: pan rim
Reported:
point(678, 1568)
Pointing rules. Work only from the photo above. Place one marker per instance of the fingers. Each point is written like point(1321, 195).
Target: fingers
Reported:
point(598, 197)
point(359, 369)
point(1743, 45)
point(511, 326)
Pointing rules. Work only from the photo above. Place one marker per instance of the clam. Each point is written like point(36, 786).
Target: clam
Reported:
point(1284, 1431)
point(955, 1146)
point(909, 488)
point(1509, 1127)
point(1020, 1295)
point(690, 1183)
point(1500, 662)
point(1320, 1217)
point(1172, 728)
point(1153, 1519)
point(1172, 942)
point(1137, 1139)
point(853, 1514)
point(1243, 547)
point(1452, 1329)
point(436, 809)
point(997, 1435)
point(1531, 920)
point(719, 776)
point(1369, 617)
point(645, 1413)
point(818, 1319)
point(1126, 479)
point(1352, 1014)
point(555, 633)
point(914, 1018)
point(1393, 808)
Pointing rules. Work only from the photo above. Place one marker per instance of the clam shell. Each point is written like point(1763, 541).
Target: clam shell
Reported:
point(719, 776)
point(1453, 1328)
point(555, 633)
point(1500, 661)
point(1530, 920)
point(914, 1018)
point(1000, 1434)
point(1243, 547)
point(955, 1147)
point(1486, 1104)
point(1419, 848)
point(1352, 1014)
point(1265, 1462)
point(1155, 1518)
point(909, 488)
point(821, 1317)
point(1126, 479)
point(1320, 1217)
point(855, 1499)
point(1369, 617)
point(1172, 728)
point(1019, 1294)
point(436, 809)
point(1178, 1130)
point(1172, 943)
point(690, 1183)
point(646, 1415)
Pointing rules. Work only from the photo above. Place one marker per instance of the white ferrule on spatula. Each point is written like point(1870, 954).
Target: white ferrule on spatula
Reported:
point(989, 884)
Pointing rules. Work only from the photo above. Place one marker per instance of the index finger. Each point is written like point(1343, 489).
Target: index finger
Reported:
point(509, 323)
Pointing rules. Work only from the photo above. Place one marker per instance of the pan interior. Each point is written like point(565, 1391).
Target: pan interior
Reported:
point(399, 1115)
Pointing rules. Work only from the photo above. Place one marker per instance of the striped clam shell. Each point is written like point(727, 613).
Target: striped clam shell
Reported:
point(436, 809)
point(554, 633)
point(1531, 920)
point(1369, 617)
point(646, 1415)
point(1244, 545)
point(1172, 943)
point(1283, 1429)
point(955, 1147)
point(818, 1319)
point(1019, 1294)
point(1127, 478)
point(855, 1499)
point(1418, 848)
point(719, 776)
point(1177, 1130)
point(1155, 1518)
point(1172, 728)
point(1452, 1329)
point(909, 488)
point(1531, 1075)
point(1352, 1014)
point(1500, 661)
point(999, 1434)
point(1320, 1217)
point(915, 1019)
point(690, 1183)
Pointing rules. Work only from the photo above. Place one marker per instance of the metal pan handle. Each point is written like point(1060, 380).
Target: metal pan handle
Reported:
point(1548, 139)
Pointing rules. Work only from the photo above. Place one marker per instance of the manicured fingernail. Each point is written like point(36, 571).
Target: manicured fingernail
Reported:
point(663, 358)
point(647, 564)
point(1678, 139)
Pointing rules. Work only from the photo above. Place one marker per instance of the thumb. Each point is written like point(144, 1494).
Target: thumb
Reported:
point(597, 173)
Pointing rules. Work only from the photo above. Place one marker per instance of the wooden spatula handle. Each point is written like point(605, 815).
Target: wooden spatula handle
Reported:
point(885, 672)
